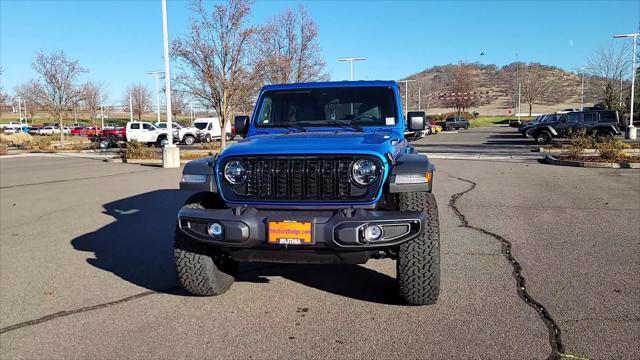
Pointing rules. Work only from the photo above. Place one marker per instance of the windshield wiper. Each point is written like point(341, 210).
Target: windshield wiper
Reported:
point(290, 126)
point(346, 126)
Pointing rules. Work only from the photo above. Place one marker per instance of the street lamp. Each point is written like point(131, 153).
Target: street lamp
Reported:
point(157, 74)
point(581, 72)
point(170, 153)
point(519, 85)
point(631, 130)
point(351, 60)
point(406, 92)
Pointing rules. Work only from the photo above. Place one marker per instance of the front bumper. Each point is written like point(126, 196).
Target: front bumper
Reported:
point(337, 233)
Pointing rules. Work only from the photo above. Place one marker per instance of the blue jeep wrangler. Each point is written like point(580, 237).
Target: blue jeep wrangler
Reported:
point(323, 175)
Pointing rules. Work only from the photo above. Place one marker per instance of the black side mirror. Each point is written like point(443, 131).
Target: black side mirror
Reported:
point(241, 124)
point(416, 123)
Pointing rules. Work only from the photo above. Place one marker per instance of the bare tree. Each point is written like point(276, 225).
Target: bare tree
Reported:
point(57, 87)
point(140, 99)
point(94, 96)
point(288, 49)
point(4, 97)
point(178, 102)
point(462, 87)
point(606, 67)
point(28, 94)
point(214, 58)
point(538, 85)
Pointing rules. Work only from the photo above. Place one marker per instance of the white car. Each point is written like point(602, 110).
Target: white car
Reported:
point(210, 129)
point(48, 130)
point(186, 135)
point(148, 133)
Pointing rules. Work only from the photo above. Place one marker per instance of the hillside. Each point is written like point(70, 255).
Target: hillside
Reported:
point(496, 89)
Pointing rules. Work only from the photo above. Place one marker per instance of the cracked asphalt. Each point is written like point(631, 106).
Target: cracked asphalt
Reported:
point(86, 270)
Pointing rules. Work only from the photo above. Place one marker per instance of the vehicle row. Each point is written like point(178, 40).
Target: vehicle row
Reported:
point(602, 124)
point(203, 130)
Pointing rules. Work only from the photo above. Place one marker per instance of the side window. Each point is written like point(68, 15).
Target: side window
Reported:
point(135, 126)
point(573, 117)
point(589, 118)
point(147, 127)
point(265, 112)
point(608, 117)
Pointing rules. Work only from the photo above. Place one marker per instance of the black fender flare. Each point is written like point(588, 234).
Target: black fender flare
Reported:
point(405, 164)
point(203, 166)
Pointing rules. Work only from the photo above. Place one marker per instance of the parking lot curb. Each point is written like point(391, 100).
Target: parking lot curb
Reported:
point(587, 164)
point(140, 161)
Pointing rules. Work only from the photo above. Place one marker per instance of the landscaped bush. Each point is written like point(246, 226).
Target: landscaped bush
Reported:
point(17, 139)
point(39, 143)
point(612, 149)
point(580, 141)
point(138, 150)
point(4, 149)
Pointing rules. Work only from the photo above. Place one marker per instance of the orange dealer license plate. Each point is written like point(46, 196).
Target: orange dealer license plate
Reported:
point(290, 232)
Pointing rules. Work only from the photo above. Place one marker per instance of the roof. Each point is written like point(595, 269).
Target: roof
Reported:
point(326, 84)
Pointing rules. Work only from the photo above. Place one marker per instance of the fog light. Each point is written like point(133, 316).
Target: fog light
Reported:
point(372, 233)
point(215, 230)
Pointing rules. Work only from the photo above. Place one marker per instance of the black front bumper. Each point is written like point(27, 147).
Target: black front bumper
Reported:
point(337, 233)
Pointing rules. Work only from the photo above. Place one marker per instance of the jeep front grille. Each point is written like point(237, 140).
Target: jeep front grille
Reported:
point(322, 178)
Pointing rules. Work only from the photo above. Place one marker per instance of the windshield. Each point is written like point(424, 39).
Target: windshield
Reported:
point(201, 125)
point(355, 106)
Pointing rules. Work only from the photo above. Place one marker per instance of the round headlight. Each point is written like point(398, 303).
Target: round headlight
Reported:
point(364, 172)
point(235, 172)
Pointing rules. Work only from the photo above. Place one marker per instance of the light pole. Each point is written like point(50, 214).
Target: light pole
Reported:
point(130, 108)
point(351, 60)
point(20, 109)
point(519, 85)
point(631, 130)
point(157, 75)
point(406, 92)
point(170, 153)
point(581, 71)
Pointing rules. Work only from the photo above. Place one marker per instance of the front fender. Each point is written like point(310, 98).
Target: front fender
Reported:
point(203, 167)
point(410, 164)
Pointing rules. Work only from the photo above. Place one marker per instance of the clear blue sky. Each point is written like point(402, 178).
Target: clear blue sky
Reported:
point(119, 40)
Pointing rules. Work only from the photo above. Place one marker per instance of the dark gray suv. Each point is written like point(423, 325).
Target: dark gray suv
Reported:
point(603, 124)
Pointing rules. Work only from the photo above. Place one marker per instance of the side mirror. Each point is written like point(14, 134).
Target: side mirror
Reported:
point(416, 123)
point(242, 125)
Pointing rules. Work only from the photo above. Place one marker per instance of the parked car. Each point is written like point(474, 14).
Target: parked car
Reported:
point(14, 128)
point(603, 124)
point(323, 176)
point(209, 129)
point(48, 130)
point(457, 122)
point(146, 132)
point(186, 135)
point(526, 127)
point(78, 130)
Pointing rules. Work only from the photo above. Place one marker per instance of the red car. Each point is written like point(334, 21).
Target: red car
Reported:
point(78, 130)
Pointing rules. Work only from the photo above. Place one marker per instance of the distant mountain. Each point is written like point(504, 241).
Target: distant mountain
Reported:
point(496, 90)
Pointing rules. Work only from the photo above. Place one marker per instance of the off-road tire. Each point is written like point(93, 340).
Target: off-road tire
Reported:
point(604, 136)
point(207, 138)
point(418, 263)
point(200, 270)
point(543, 137)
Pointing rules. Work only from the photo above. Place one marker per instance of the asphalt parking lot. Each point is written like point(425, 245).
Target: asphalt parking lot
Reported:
point(86, 269)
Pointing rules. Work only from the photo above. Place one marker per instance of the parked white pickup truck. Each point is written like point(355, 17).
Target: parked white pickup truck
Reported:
point(148, 133)
point(186, 135)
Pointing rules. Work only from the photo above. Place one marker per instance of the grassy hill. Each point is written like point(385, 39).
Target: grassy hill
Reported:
point(497, 89)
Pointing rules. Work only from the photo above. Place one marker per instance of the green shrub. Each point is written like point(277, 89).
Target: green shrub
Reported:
point(138, 150)
point(611, 149)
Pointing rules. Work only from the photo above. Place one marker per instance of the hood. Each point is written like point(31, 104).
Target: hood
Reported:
point(378, 143)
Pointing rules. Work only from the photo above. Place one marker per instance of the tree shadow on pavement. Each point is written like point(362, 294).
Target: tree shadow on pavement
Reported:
point(138, 247)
